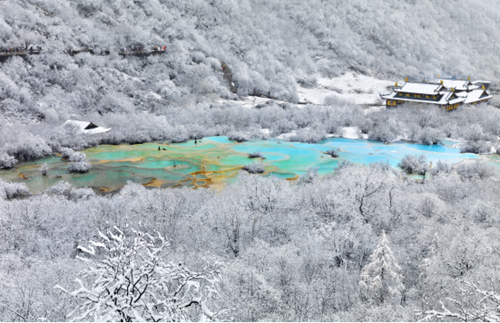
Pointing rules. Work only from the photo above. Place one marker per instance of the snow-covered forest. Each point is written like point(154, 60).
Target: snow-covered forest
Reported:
point(362, 244)
point(271, 47)
point(283, 252)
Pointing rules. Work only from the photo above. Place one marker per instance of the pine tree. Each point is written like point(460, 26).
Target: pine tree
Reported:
point(381, 275)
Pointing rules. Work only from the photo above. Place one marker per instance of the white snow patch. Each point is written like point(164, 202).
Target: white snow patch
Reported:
point(286, 136)
point(251, 101)
point(352, 87)
point(83, 124)
point(350, 132)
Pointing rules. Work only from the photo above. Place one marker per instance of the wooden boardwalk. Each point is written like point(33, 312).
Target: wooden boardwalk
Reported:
point(5, 55)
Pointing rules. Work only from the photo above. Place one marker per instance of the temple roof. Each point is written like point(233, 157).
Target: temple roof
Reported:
point(444, 100)
point(477, 95)
point(451, 91)
point(456, 84)
point(420, 88)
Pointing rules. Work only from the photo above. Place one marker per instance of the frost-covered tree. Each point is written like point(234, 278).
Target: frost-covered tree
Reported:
point(332, 152)
point(44, 168)
point(10, 190)
point(238, 136)
point(256, 154)
point(254, 168)
point(477, 169)
point(131, 281)
point(414, 164)
point(441, 168)
point(381, 276)
point(483, 309)
point(7, 161)
point(80, 167)
point(433, 251)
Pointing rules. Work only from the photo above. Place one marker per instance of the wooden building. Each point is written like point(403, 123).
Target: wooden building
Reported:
point(448, 94)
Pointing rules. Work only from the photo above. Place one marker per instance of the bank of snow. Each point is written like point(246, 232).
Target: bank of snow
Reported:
point(85, 127)
point(351, 87)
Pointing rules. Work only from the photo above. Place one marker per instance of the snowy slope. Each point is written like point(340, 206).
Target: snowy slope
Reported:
point(270, 46)
point(350, 87)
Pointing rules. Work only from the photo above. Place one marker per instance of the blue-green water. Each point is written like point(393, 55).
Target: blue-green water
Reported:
point(214, 161)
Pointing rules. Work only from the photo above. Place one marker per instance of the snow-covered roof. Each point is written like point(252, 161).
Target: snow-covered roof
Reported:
point(473, 87)
point(480, 82)
point(463, 91)
point(456, 100)
point(445, 99)
point(420, 88)
point(87, 127)
point(388, 96)
point(456, 84)
point(475, 96)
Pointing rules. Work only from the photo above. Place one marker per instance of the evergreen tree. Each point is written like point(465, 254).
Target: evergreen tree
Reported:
point(381, 275)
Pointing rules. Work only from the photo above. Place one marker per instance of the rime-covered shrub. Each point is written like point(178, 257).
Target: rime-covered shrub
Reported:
point(477, 169)
point(254, 168)
point(28, 147)
point(414, 164)
point(65, 189)
point(310, 136)
point(283, 126)
point(44, 168)
point(9, 190)
point(80, 167)
point(343, 165)
point(133, 280)
point(335, 101)
point(78, 157)
point(475, 133)
point(61, 188)
point(66, 153)
point(310, 176)
point(238, 136)
point(73, 156)
point(479, 147)
point(441, 168)
point(382, 133)
point(332, 152)
point(430, 136)
point(180, 135)
point(256, 154)
point(7, 161)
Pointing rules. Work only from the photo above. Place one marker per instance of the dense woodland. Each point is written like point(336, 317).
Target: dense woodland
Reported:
point(365, 243)
point(287, 251)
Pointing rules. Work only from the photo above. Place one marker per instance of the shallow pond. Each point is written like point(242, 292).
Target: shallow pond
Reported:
point(215, 161)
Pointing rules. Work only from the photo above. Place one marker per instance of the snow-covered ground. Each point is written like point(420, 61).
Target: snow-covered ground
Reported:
point(351, 87)
point(81, 126)
point(253, 101)
point(353, 133)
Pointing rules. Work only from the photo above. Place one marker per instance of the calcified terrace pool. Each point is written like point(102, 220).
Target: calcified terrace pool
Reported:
point(214, 161)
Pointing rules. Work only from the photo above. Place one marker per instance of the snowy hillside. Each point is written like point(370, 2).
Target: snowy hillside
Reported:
point(271, 46)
